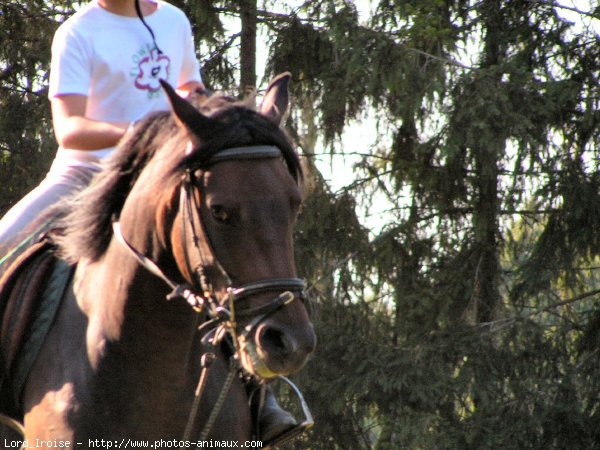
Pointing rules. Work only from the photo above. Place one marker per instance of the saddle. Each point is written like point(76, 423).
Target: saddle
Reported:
point(31, 290)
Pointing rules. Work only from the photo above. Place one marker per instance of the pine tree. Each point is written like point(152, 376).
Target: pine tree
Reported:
point(493, 110)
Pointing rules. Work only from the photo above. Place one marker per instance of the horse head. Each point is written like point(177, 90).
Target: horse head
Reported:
point(232, 232)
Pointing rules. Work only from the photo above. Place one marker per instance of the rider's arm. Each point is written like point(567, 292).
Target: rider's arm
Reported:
point(74, 131)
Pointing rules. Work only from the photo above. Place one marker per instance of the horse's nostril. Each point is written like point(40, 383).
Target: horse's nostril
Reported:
point(277, 341)
point(280, 350)
point(274, 338)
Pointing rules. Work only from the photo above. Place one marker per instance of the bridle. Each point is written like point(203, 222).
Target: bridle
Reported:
point(205, 300)
point(222, 316)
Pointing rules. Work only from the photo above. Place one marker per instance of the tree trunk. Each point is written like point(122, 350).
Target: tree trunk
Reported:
point(489, 150)
point(248, 11)
point(485, 222)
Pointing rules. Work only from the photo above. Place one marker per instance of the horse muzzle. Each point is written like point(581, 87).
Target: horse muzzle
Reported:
point(271, 345)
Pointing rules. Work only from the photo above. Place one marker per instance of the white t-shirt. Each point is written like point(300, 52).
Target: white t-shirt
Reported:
point(111, 59)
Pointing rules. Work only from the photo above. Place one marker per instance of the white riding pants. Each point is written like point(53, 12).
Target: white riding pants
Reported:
point(63, 179)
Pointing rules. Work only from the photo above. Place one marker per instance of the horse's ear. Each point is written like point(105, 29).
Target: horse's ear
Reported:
point(196, 123)
point(276, 99)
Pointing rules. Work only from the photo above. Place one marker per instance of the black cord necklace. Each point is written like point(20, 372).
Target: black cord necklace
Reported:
point(138, 10)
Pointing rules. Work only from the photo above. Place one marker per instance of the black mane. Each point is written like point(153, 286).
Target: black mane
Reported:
point(86, 224)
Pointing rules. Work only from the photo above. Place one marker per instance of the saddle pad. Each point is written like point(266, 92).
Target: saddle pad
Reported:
point(30, 294)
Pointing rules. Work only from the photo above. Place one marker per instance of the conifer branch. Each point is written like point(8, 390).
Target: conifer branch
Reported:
point(445, 60)
point(223, 48)
point(568, 8)
point(575, 299)
point(506, 321)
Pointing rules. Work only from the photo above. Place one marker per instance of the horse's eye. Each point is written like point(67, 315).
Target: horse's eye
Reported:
point(220, 213)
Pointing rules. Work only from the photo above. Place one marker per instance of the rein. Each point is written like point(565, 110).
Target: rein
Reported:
point(222, 318)
point(206, 302)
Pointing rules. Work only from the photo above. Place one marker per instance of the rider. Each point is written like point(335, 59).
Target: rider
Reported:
point(104, 75)
point(105, 71)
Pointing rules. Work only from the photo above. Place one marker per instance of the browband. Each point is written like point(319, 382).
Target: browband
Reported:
point(249, 152)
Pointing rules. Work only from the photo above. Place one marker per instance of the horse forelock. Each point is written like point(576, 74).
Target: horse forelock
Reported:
point(238, 124)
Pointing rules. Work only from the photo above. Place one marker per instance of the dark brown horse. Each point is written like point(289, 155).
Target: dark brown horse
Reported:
point(205, 202)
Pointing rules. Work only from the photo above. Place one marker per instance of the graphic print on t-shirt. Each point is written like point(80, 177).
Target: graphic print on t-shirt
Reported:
point(150, 67)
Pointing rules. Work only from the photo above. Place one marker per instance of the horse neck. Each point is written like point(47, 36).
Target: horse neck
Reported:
point(136, 339)
point(126, 304)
